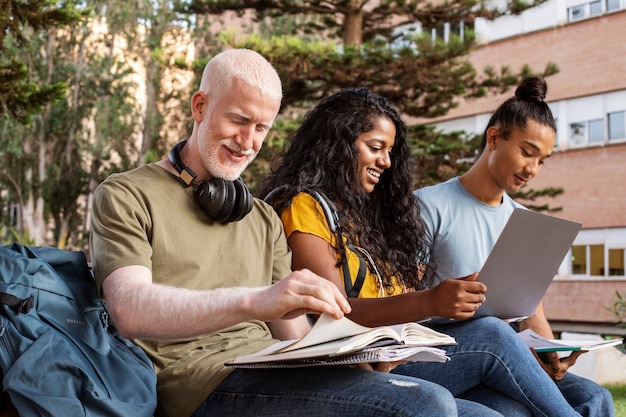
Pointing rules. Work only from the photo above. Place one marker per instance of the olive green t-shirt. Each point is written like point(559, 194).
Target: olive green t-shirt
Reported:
point(146, 217)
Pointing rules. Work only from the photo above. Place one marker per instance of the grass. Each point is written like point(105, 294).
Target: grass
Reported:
point(619, 399)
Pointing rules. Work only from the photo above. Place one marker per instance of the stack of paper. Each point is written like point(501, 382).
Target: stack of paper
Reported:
point(334, 342)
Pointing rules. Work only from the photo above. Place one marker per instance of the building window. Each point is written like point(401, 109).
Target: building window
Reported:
point(578, 134)
point(596, 260)
point(617, 125)
point(596, 131)
point(579, 260)
point(595, 8)
point(612, 5)
point(458, 29)
point(616, 262)
point(593, 261)
point(438, 33)
point(576, 12)
point(588, 260)
point(592, 131)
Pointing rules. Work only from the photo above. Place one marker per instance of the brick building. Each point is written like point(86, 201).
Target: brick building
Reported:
point(585, 39)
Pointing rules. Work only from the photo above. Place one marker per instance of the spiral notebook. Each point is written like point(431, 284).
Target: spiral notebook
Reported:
point(336, 342)
point(367, 355)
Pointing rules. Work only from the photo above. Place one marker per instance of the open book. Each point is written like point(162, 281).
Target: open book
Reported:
point(334, 342)
point(541, 344)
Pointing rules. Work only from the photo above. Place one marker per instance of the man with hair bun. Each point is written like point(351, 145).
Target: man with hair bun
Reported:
point(465, 215)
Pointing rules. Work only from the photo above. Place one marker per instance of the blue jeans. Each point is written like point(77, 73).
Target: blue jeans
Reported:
point(587, 397)
point(489, 353)
point(507, 406)
point(331, 391)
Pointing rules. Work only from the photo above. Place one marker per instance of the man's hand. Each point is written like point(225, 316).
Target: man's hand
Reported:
point(556, 367)
point(459, 298)
point(301, 292)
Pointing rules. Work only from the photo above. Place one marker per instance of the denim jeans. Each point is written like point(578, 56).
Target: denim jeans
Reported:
point(327, 391)
point(489, 353)
point(587, 397)
point(505, 405)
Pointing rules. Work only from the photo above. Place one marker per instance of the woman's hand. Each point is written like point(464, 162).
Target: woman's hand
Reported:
point(459, 298)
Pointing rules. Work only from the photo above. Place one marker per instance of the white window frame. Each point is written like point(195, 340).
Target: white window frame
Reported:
point(611, 239)
point(581, 9)
point(620, 4)
point(608, 123)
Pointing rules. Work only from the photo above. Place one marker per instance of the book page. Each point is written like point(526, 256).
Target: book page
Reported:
point(541, 344)
point(330, 338)
point(418, 335)
point(326, 329)
point(344, 335)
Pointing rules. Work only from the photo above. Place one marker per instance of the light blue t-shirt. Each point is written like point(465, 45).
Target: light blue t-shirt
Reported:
point(463, 229)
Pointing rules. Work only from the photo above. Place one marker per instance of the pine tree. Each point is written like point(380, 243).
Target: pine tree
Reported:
point(396, 48)
point(20, 23)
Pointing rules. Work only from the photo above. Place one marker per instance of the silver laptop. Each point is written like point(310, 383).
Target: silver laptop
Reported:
point(523, 262)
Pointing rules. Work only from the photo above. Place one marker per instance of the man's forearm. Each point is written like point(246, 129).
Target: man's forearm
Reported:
point(141, 309)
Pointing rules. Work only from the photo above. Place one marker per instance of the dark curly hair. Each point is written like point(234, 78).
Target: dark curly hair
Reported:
point(322, 155)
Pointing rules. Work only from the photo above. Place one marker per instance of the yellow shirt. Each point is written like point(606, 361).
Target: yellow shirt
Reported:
point(307, 216)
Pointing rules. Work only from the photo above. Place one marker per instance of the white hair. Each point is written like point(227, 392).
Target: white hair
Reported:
point(245, 64)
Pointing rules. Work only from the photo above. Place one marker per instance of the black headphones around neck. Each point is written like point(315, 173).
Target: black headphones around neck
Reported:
point(221, 200)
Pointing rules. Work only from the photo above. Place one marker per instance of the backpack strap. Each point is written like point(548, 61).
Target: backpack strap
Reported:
point(353, 290)
point(22, 305)
point(332, 218)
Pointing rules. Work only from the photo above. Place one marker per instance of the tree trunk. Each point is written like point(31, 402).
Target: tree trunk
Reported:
point(353, 25)
point(37, 225)
point(150, 117)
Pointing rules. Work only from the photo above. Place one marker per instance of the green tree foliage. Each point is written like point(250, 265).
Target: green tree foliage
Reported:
point(422, 75)
point(528, 198)
point(52, 160)
point(73, 109)
point(424, 79)
point(437, 157)
point(355, 22)
point(21, 95)
point(319, 48)
point(42, 159)
point(150, 30)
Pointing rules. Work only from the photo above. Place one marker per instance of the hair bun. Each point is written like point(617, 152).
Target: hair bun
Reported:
point(532, 89)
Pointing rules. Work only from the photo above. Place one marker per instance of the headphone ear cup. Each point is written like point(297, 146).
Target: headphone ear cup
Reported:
point(243, 201)
point(224, 201)
point(230, 200)
point(212, 196)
